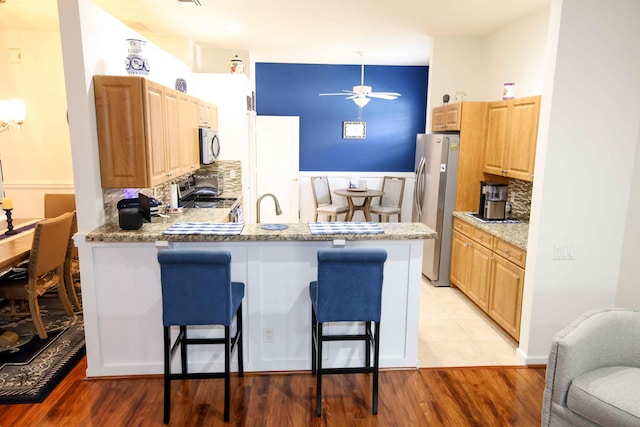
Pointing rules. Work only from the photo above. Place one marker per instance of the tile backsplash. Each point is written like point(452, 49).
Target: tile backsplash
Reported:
point(521, 193)
point(226, 168)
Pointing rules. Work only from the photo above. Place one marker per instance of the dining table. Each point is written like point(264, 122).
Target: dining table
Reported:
point(16, 248)
point(365, 193)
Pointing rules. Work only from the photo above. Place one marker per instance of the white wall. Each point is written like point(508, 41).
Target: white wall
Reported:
point(516, 54)
point(457, 65)
point(588, 152)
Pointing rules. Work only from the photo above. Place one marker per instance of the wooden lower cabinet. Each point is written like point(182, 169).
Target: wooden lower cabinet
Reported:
point(490, 273)
point(505, 300)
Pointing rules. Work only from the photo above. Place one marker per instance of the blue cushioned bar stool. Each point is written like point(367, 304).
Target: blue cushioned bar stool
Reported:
point(197, 290)
point(348, 289)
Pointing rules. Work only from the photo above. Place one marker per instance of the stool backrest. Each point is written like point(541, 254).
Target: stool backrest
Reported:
point(350, 284)
point(196, 287)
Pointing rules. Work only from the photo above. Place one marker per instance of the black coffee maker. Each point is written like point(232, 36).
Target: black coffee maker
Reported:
point(493, 200)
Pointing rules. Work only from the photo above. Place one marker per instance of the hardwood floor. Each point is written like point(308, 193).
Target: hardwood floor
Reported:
point(426, 397)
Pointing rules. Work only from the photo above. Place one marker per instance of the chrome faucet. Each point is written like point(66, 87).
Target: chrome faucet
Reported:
point(275, 200)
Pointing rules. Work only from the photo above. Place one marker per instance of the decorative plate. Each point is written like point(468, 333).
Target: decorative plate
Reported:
point(181, 85)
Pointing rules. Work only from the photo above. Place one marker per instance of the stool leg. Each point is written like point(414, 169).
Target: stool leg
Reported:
point(314, 337)
point(376, 359)
point(367, 349)
point(227, 377)
point(183, 349)
point(319, 371)
point(239, 343)
point(167, 375)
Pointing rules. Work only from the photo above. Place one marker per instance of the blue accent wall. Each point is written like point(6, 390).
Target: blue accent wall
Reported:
point(292, 90)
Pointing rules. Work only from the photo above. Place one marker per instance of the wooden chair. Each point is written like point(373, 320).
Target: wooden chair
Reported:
point(391, 202)
point(54, 205)
point(322, 199)
point(45, 271)
point(57, 204)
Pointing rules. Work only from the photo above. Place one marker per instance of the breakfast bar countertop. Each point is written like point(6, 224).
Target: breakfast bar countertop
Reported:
point(151, 232)
point(515, 234)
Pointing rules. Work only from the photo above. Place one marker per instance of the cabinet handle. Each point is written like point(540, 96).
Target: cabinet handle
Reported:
point(506, 251)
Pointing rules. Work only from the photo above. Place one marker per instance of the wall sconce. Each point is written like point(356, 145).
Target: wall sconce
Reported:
point(12, 112)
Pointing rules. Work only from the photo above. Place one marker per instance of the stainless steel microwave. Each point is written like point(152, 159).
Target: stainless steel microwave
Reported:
point(209, 145)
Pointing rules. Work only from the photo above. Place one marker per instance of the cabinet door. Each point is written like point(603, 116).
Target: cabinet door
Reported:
point(496, 140)
point(189, 115)
point(523, 135)
point(452, 116)
point(459, 260)
point(173, 157)
point(479, 275)
point(438, 119)
point(154, 100)
point(505, 299)
point(121, 131)
point(213, 116)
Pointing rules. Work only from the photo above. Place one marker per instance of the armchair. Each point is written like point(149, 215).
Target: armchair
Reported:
point(593, 372)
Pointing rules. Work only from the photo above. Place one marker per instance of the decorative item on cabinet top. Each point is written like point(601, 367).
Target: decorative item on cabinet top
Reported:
point(181, 85)
point(135, 62)
point(236, 66)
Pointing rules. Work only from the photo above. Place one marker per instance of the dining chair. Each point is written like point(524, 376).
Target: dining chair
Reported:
point(72, 269)
point(197, 290)
point(45, 270)
point(348, 289)
point(391, 202)
point(56, 204)
point(322, 199)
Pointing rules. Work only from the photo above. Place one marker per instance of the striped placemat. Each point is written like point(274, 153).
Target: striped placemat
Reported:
point(345, 228)
point(214, 228)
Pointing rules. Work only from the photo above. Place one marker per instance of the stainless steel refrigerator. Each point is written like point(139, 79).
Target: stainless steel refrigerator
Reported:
point(434, 199)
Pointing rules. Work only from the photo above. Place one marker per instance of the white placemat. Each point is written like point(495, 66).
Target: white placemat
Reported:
point(222, 229)
point(345, 228)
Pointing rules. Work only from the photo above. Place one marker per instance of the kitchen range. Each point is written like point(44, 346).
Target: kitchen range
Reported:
point(207, 191)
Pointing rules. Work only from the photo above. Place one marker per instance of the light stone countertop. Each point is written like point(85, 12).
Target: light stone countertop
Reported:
point(515, 234)
point(151, 232)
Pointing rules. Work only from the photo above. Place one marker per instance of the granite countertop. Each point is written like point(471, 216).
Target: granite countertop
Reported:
point(151, 232)
point(515, 234)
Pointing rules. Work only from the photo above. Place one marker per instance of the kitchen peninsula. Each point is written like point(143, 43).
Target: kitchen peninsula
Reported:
point(123, 310)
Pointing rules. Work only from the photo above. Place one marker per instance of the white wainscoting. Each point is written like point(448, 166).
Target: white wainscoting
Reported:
point(341, 180)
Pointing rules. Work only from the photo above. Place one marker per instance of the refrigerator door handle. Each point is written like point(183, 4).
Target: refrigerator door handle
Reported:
point(420, 186)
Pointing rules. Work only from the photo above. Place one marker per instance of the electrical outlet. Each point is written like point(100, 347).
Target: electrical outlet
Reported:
point(267, 335)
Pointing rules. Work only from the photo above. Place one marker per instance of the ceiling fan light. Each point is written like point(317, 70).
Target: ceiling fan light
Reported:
point(361, 101)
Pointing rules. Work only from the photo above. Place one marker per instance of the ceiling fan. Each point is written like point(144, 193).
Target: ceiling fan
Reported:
point(362, 94)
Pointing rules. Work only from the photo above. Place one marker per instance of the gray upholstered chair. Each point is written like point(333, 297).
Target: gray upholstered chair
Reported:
point(593, 372)
point(391, 201)
point(322, 199)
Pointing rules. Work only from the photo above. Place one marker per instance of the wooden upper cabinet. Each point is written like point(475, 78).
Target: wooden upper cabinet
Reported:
point(147, 133)
point(189, 119)
point(446, 118)
point(523, 128)
point(123, 137)
point(173, 156)
point(208, 115)
point(512, 132)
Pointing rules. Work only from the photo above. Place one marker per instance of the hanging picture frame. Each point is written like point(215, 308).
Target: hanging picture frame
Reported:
point(354, 130)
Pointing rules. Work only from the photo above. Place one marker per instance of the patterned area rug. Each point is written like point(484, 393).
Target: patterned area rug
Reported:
point(30, 367)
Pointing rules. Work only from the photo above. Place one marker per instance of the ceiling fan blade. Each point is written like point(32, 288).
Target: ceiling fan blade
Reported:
point(384, 95)
point(335, 94)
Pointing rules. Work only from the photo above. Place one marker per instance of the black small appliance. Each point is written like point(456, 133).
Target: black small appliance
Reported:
point(493, 200)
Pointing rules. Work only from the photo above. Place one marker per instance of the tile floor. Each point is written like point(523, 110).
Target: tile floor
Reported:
point(454, 332)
